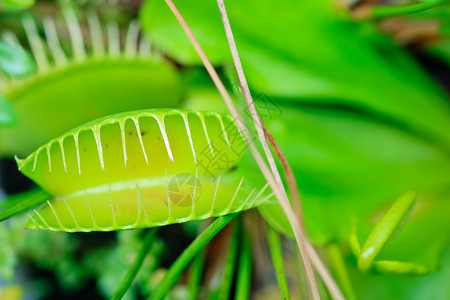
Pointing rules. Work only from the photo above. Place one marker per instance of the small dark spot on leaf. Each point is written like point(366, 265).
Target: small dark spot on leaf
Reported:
point(130, 133)
point(84, 150)
point(107, 145)
point(143, 133)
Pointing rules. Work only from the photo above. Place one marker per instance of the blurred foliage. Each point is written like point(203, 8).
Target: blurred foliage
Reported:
point(15, 61)
point(78, 77)
point(358, 118)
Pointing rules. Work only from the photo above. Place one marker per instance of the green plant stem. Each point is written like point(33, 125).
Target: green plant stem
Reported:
point(341, 271)
point(128, 280)
point(273, 238)
point(23, 202)
point(244, 269)
point(383, 11)
point(195, 275)
point(177, 268)
point(230, 263)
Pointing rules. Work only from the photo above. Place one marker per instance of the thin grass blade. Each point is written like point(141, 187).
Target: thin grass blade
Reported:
point(243, 285)
point(195, 276)
point(386, 228)
point(230, 263)
point(276, 253)
point(128, 280)
point(188, 254)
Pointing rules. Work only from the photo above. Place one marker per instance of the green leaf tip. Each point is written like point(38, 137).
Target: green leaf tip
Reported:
point(399, 267)
point(354, 244)
point(20, 162)
point(386, 228)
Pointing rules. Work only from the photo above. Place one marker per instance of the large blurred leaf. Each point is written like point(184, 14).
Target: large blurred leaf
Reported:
point(51, 104)
point(305, 51)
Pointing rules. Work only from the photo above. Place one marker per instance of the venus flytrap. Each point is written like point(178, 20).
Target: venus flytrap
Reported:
point(127, 171)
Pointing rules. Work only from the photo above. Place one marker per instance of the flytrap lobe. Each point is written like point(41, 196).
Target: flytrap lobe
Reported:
point(85, 69)
point(142, 169)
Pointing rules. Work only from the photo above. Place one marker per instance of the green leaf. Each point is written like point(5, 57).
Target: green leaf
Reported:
point(7, 114)
point(15, 61)
point(108, 160)
point(52, 104)
point(386, 228)
point(309, 53)
point(424, 237)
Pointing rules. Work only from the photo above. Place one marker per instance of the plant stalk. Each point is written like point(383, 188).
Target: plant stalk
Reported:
point(128, 280)
point(177, 268)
